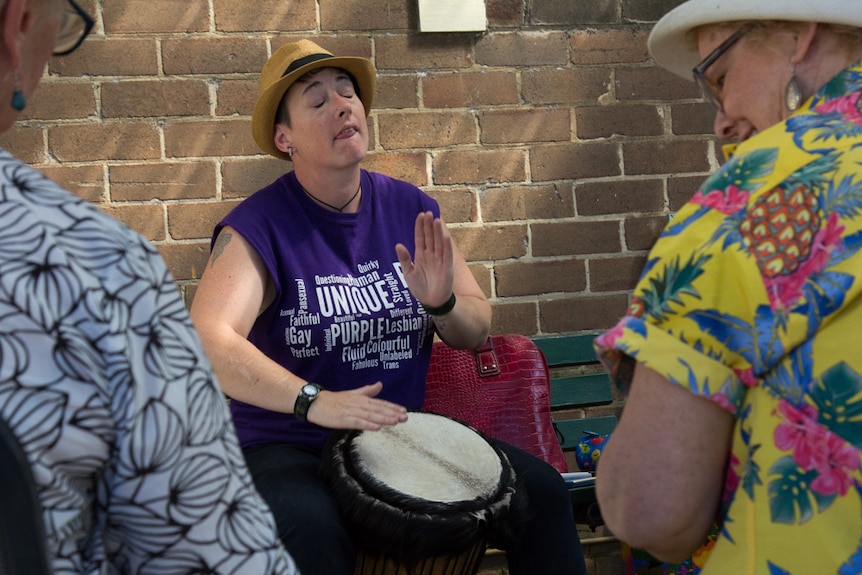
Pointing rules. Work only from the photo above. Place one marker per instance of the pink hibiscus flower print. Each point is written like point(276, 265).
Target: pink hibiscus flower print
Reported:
point(848, 106)
point(726, 201)
point(800, 433)
point(746, 376)
point(836, 468)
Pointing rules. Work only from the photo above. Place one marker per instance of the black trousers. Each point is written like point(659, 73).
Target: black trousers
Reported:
point(310, 525)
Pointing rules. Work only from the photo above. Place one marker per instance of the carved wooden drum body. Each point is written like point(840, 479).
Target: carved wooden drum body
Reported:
point(424, 497)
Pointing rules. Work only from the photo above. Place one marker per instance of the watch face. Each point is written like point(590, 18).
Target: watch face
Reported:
point(310, 390)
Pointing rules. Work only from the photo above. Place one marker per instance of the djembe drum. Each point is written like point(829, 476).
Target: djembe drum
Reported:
point(424, 497)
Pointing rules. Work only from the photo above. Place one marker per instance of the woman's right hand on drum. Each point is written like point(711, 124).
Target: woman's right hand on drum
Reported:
point(355, 409)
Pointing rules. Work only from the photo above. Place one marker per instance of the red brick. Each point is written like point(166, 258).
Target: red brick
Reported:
point(430, 51)
point(426, 130)
point(540, 277)
point(615, 274)
point(155, 98)
point(113, 141)
point(517, 317)
point(186, 261)
point(109, 57)
point(546, 48)
point(504, 13)
point(176, 181)
point(594, 46)
point(665, 157)
point(491, 242)
point(27, 143)
point(618, 120)
point(513, 203)
point(159, 16)
point(190, 139)
point(653, 83)
point(408, 166)
point(642, 232)
point(397, 91)
point(236, 97)
point(565, 86)
point(61, 101)
point(573, 12)
point(579, 313)
point(146, 219)
point(574, 161)
point(482, 274)
point(575, 238)
point(266, 15)
point(515, 126)
point(681, 188)
point(196, 221)
point(223, 55)
point(688, 119)
point(619, 197)
point(470, 89)
point(485, 166)
point(368, 15)
point(456, 206)
point(86, 182)
point(242, 177)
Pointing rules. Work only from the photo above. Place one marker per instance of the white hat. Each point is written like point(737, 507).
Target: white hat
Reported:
point(674, 48)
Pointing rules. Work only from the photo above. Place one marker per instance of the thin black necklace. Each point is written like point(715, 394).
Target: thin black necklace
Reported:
point(336, 208)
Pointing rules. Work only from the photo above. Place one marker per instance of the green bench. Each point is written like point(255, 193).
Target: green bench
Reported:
point(579, 389)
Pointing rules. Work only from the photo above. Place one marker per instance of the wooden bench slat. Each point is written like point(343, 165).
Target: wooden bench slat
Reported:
point(581, 391)
point(573, 429)
point(567, 349)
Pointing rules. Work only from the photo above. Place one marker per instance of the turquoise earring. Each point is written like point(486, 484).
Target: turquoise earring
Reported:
point(19, 102)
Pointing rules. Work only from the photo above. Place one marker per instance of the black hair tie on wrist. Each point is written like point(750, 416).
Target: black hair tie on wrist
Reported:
point(442, 309)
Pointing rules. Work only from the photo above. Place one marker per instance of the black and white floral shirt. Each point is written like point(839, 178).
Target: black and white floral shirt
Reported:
point(106, 385)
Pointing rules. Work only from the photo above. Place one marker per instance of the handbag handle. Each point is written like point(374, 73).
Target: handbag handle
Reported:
point(486, 360)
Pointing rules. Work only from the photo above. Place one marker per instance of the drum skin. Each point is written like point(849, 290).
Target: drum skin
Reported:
point(429, 487)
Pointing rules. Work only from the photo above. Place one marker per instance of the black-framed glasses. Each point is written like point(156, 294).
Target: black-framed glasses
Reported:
point(74, 27)
point(709, 90)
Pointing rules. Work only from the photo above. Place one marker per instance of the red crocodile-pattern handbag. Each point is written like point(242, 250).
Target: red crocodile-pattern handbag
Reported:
point(501, 389)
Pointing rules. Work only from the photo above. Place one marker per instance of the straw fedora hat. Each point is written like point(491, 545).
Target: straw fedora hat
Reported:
point(673, 46)
point(284, 67)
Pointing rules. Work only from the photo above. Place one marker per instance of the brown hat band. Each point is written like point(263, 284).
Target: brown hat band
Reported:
point(296, 64)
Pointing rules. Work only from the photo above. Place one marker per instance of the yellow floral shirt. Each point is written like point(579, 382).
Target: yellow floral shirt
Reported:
point(752, 298)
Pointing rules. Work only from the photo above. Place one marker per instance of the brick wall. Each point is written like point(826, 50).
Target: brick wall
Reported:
point(555, 147)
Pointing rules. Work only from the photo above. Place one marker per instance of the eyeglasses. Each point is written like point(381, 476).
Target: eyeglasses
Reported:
point(75, 26)
point(708, 89)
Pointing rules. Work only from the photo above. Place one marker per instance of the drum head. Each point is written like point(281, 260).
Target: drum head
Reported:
point(431, 458)
point(427, 487)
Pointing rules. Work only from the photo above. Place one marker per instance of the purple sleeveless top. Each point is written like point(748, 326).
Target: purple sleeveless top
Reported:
point(342, 316)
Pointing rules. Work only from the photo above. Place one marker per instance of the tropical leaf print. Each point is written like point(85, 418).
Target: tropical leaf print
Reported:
point(758, 343)
point(671, 284)
point(824, 294)
point(750, 477)
point(744, 172)
point(838, 397)
point(844, 197)
point(791, 500)
point(776, 570)
point(196, 487)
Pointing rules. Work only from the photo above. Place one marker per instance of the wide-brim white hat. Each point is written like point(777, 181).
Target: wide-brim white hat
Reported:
point(674, 47)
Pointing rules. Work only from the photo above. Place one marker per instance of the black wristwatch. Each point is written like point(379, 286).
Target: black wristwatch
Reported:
point(307, 394)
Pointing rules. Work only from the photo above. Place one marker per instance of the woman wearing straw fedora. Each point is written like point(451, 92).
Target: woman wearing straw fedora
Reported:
point(743, 331)
point(303, 280)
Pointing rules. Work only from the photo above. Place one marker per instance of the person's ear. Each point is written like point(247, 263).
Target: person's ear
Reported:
point(804, 39)
point(16, 18)
point(281, 138)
